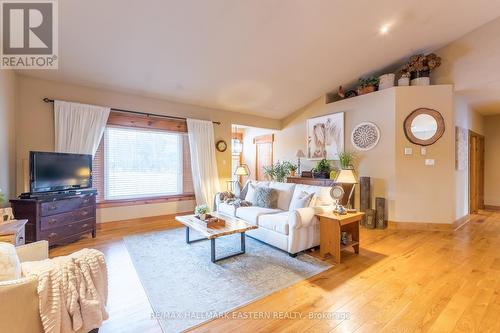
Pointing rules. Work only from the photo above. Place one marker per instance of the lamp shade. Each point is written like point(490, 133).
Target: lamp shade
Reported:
point(242, 170)
point(346, 177)
point(300, 154)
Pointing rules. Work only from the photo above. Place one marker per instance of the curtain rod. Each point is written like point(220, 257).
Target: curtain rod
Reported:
point(48, 100)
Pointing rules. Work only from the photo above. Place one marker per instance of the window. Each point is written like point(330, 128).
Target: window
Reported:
point(142, 160)
point(141, 163)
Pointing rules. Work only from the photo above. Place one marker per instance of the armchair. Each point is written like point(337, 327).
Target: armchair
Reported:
point(19, 310)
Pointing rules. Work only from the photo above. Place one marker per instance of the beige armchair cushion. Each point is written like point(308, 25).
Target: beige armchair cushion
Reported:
point(10, 267)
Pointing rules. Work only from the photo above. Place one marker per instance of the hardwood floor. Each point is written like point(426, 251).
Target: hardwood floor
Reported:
point(402, 281)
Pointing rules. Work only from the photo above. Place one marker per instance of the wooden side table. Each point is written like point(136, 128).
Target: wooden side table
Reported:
point(13, 232)
point(331, 226)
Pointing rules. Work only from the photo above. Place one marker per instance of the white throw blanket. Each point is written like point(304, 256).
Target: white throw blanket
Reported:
point(72, 291)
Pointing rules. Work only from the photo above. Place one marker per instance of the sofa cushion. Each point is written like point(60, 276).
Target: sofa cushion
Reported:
point(10, 267)
point(250, 195)
point(275, 222)
point(266, 197)
point(285, 193)
point(251, 214)
point(301, 199)
point(227, 209)
point(321, 194)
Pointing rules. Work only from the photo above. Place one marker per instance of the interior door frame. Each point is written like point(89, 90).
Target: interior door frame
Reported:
point(262, 139)
point(476, 172)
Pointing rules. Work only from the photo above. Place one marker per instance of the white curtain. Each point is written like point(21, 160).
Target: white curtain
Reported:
point(203, 162)
point(79, 127)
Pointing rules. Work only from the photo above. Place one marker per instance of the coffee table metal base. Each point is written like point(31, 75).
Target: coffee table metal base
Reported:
point(212, 246)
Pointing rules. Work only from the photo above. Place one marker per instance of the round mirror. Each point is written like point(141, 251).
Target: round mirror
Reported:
point(424, 126)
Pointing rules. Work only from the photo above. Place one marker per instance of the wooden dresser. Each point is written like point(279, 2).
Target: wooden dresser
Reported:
point(323, 182)
point(59, 220)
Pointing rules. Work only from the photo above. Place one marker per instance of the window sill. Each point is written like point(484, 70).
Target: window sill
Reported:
point(145, 201)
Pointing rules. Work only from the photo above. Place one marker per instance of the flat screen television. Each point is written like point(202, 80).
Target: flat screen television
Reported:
point(53, 172)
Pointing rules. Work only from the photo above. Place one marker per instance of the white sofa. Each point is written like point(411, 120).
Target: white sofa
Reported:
point(293, 230)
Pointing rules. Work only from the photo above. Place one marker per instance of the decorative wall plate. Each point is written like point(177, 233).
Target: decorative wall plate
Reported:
point(365, 136)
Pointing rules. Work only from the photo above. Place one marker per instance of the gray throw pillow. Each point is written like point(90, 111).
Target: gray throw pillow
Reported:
point(265, 197)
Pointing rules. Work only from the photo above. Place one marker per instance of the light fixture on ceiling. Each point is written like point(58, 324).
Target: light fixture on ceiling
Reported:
point(384, 29)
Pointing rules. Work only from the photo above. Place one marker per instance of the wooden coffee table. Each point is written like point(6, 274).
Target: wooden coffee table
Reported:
point(233, 226)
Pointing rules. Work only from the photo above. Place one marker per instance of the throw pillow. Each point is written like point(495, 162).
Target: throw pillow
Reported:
point(250, 196)
point(10, 267)
point(301, 200)
point(243, 192)
point(266, 197)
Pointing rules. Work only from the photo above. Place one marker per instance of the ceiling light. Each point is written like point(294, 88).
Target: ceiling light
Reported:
point(384, 29)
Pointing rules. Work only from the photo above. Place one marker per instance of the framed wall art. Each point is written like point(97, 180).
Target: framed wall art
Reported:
point(325, 136)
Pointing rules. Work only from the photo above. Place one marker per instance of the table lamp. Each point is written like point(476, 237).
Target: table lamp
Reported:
point(242, 170)
point(348, 177)
point(299, 154)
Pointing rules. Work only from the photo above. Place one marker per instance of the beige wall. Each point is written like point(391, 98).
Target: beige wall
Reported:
point(35, 122)
point(7, 139)
point(465, 117)
point(492, 161)
point(414, 192)
point(379, 163)
point(425, 193)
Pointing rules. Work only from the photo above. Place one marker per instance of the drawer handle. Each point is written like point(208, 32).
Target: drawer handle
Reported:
point(85, 225)
point(52, 221)
point(84, 213)
point(52, 207)
point(52, 235)
point(86, 201)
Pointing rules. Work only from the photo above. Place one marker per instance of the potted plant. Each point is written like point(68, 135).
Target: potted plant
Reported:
point(419, 68)
point(201, 211)
point(367, 85)
point(292, 169)
point(322, 169)
point(346, 158)
point(2, 199)
point(278, 171)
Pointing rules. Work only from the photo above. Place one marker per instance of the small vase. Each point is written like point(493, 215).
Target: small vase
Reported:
point(202, 217)
point(292, 173)
point(420, 78)
point(404, 81)
point(386, 81)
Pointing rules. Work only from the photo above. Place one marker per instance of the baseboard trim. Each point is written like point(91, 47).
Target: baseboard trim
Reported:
point(419, 226)
point(170, 218)
point(461, 222)
point(491, 207)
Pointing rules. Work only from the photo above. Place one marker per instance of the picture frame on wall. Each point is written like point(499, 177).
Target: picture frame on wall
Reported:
point(325, 136)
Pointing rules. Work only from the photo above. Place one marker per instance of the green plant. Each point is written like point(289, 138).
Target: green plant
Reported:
point(2, 198)
point(323, 166)
point(368, 81)
point(292, 166)
point(201, 209)
point(278, 171)
point(346, 158)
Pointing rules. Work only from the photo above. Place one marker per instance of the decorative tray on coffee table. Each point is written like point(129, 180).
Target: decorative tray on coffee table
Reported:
point(212, 221)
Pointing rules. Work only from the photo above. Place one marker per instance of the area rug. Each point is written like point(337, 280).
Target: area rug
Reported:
point(186, 289)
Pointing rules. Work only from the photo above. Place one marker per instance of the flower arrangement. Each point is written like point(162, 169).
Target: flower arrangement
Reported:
point(201, 211)
point(421, 63)
point(367, 85)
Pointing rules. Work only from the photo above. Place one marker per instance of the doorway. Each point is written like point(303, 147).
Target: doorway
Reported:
point(263, 154)
point(476, 172)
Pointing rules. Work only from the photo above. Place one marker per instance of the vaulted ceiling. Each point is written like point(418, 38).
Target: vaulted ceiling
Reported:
point(266, 57)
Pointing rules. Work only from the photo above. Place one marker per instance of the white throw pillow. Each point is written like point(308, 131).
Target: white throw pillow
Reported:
point(250, 196)
point(285, 193)
point(301, 200)
point(10, 267)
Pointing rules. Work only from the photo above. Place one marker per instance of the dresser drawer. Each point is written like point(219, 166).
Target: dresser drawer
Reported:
point(55, 221)
point(68, 230)
point(62, 206)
